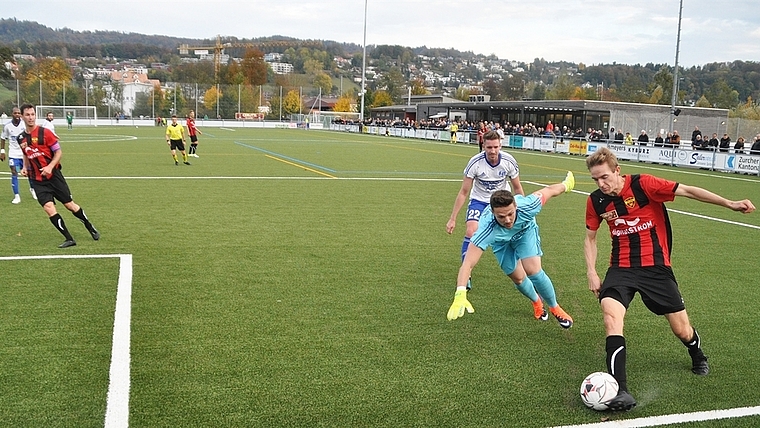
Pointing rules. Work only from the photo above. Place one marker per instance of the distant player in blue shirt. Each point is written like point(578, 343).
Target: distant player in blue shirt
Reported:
point(509, 226)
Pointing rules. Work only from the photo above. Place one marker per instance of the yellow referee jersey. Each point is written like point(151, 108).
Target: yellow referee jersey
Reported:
point(175, 132)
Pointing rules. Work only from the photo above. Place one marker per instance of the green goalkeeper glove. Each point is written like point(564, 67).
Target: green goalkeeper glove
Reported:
point(569, 182)
point(460, 304)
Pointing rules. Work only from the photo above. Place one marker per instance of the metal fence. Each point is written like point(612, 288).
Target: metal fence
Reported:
point(141, 99)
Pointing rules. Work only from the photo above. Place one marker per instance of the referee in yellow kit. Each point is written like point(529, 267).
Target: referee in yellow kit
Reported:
point(175, 138)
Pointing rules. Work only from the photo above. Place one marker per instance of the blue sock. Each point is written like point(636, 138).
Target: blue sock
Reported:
point(465, 244)
point(544, 287)
point(14, 184)
point(527, 289)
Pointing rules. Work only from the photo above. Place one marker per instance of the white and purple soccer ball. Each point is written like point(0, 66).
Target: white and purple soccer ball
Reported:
point(597, 389)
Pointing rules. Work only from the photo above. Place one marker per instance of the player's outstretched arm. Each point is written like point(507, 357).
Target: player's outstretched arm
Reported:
point(697, 193)
point(461, 303)
point(557, 189)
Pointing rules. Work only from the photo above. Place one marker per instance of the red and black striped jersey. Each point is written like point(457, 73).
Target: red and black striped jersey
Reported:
point(191, 129)
point(41, 144)
point(637, 219)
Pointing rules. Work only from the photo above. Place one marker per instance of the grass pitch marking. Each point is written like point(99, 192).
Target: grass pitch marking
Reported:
point(678, 418)
point(117, 403)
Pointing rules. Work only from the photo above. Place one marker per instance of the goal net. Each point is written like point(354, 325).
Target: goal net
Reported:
point(79, 113)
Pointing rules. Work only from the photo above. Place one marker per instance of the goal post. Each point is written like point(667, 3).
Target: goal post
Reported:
point(81, 114)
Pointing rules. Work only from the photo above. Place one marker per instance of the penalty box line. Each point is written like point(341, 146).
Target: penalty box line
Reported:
point(117, 403)
point(677, 418)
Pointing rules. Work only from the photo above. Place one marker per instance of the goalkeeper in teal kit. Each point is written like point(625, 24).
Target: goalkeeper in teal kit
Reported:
point(509, 226)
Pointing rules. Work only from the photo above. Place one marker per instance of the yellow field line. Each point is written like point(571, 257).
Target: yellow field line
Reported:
point(300, 166)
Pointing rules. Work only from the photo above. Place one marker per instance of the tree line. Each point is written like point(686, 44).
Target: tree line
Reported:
point(733, 85)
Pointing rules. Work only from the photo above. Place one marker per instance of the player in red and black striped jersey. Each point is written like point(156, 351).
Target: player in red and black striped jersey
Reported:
point(42, 163)
point(634, 208)
point(193, 132)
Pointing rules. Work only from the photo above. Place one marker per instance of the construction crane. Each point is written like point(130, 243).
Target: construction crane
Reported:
point(219, 47)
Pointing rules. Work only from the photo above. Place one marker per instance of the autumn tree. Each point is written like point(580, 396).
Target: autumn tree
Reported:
point(661, 87)
point(211, 97)
point(703, 102)
point(345, 103)
point(324, 82)
point(233, 74)
point(723, 95)
point(291, 103)
point(393, 83)
point(313, 67)
point(381, 99)
point(255, 69)
point(201, 72)
point(53, 72)
point(418, 87)
point(563, 88)
point(584, 93)
point(463, 94)
point(512, 88)
point(748, 110)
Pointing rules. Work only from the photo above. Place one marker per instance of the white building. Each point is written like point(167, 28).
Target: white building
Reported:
point(132, 84)
point(281, 67)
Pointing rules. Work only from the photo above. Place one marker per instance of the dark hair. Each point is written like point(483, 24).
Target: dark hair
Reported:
point(26, 106)
point(502, 198)
point(491, 135)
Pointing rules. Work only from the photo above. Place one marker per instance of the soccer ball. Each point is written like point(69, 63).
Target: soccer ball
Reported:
point(597, 389)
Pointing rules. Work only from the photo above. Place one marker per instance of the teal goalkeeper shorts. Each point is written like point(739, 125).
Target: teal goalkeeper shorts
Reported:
point(522, 246)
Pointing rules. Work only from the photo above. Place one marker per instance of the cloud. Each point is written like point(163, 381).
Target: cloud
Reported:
point(589, 31)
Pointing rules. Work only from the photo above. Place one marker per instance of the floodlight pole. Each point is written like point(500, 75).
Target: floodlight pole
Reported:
point(675, 71)
point(364, 61)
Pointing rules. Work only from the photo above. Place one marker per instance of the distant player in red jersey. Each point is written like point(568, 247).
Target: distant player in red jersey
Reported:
point(193, 132)
point(634, 208)
point(42, 163)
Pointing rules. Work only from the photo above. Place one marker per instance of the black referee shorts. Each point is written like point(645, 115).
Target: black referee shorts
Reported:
point(656, 284)
point(176, 145)
point(53, 188)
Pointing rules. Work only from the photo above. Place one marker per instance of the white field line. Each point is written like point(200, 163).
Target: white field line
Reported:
point(457, 180)
point(117, 403)
point(678, 418)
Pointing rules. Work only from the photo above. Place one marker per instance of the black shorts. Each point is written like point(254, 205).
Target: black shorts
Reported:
point(53, 188)
point(193, 139)
point(656, 284)
point(176, 145)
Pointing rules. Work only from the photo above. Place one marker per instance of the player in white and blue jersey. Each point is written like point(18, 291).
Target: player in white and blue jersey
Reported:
point(509, 227)
point(10, 134)
point(485, 173)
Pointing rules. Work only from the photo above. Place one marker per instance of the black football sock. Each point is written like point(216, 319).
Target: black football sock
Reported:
point(61, 226)
point(694, 345)
point(616, 360)
point(83, 218)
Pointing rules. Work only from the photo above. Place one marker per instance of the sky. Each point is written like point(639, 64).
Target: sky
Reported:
point(579, 31)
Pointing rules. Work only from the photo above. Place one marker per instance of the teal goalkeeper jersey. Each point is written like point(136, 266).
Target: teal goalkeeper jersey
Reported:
point(491, 233)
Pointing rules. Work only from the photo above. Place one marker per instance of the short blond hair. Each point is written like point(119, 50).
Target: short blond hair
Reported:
point(601, 157)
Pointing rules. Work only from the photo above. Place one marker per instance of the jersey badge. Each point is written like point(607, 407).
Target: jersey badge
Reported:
point(610, 215)
point(630, 202)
